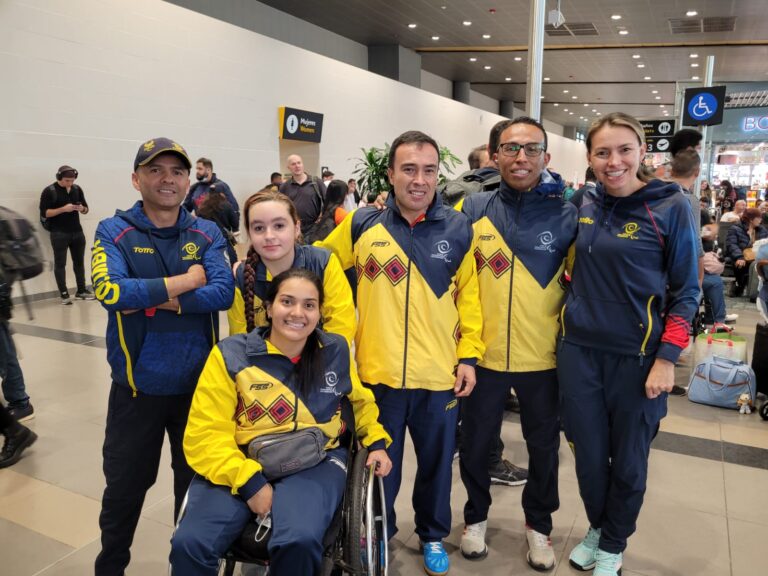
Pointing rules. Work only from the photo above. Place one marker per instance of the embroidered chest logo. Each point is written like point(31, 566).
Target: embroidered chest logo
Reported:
point(630, 231)
point(190, 251)
point(331, 380)
point(379, 243)
point(486, 237)
point(141, 250)
point(545, 239)
point(586, 220)
point(443, 248)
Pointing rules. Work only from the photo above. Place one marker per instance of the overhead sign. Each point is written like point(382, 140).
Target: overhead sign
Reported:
point(658, 134)
point(704, 106)
point(300, 124)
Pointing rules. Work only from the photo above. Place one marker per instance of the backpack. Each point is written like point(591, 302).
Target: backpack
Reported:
point(21, 255)
point(467, 183)
point(320, 229)
point(46, 222)
point(310, 232)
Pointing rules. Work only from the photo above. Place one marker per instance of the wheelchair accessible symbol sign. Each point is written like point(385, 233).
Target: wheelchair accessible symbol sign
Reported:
point(704, 106)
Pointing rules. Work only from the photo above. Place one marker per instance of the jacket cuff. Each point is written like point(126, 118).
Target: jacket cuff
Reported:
point(669, 352)
point(468, 361)
point(256, 483)
point(378, 445)
point(158, 293)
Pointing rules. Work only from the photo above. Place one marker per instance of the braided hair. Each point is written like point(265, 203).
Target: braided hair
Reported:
point(267, 194)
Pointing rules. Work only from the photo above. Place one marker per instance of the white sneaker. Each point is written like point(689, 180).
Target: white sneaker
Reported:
point(473, 544)
point(541, 556)
point(731, 317)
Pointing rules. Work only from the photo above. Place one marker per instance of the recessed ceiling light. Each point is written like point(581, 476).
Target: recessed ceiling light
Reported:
point(487, 67)
point(641, 65)
point(594, 110)
point(694, 77)
point(574, 97)
point(636, 56)
point(517, 58)
point(542, 97)
point(646, 77)
point(565, 91)
point(473, 59)
point(565, 109)
point(508, 79)
point(691, 13)
point(654, 91)
point(411, 25)
point(486, 36)
point(586, 105)
point(661, 105)
point(467, 23)
point(556, 104)
point(623, 32)
point(435, 37)
point(546, 79)
point(599, 113)
point(616, 17)
point(570, 113)
point(694, 56)
point(694, 64)
point(658, 97)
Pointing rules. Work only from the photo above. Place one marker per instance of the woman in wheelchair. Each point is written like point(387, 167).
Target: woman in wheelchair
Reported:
point(285, 377)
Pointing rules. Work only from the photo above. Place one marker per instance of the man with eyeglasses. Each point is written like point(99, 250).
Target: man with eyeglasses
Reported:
point(522, 234)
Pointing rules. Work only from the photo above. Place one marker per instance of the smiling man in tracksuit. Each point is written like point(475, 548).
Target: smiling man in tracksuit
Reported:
point(163, 277)
point(523, 232)
point(418, 337)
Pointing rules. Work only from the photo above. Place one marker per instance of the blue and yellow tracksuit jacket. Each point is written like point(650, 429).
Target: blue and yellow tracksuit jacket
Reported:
point(159, 352)
point(247, 389)
point(521, 245)
point(338, 309)
point(417, 294)
point(634, 288)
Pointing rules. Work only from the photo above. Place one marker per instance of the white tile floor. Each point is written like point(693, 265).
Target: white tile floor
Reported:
point(701, 517)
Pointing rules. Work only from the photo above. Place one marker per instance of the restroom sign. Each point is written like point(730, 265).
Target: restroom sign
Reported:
point(704, 106)
point(301, 125)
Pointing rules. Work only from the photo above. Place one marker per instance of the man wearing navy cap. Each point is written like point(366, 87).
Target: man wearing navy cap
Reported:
point(61, 204)
point(162, 275)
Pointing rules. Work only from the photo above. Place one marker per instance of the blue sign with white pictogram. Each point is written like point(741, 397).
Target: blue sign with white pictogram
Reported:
point(704, 106)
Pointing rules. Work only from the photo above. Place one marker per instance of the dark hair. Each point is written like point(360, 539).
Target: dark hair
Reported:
point(589, 175)
point(495, 135)
point(474, 156)
point(504, 124)
point(684, 139)
point(272, 176)
point(750, 214)
point(685, 163)
point(351, 180)
point(335, 194)
point(727, 187)
point(205, 162)
point(267, 194)
point(212, 204)
point(310, 366)
point(410, 137)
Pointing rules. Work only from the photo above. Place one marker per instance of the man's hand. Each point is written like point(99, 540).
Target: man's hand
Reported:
point(465, 380)
point(261, 502)
point(660, 379)
point(196, 275)
point(382, 461)
point(740, 263)
point(172, 305)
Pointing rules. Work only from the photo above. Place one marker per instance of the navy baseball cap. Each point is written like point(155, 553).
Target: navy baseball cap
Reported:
point(151, 149)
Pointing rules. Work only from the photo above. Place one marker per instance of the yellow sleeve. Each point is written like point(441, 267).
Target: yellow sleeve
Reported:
point(236, 314)
point(209, 439)
point(340, 242)
point(570, 260)
point(338, 307)
point(468, 304)
point(366, 411)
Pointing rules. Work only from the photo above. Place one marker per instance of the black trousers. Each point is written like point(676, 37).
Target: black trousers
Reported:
point(75, 243)
point(482, 413)
point(136, 428)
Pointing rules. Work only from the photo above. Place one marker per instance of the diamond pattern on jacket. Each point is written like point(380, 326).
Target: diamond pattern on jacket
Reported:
point(280, 410)
point(372, 268)
point(479, 259)
point(499, 263)
point(395, 270)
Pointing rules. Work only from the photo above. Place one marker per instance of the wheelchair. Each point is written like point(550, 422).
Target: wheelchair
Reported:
point(355, 542)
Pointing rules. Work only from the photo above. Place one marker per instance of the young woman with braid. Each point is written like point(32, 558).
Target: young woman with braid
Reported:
point(273, 230)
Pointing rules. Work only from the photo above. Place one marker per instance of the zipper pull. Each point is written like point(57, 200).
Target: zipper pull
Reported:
point(642, 358)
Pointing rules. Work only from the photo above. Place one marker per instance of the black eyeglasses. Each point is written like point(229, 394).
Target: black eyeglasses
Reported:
point(532, 149)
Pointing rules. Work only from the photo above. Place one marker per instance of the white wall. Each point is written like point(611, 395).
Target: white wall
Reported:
point(86, 81)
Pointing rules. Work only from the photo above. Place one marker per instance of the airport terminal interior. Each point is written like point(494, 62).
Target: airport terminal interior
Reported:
point(87, 81)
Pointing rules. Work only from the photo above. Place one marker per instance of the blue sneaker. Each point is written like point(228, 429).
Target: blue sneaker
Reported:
point(583, 556)
point(436, 561)
point(607, 564)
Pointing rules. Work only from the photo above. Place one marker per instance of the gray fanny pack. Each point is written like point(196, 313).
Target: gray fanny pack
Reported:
point(285, 454)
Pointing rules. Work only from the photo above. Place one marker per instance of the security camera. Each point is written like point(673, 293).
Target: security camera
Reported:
point(556, 18)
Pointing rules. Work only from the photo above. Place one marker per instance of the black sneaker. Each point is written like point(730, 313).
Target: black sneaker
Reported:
point(15, 444)
point(85, 295)
point(22, 413)
point(508, 474)
point(678, 391)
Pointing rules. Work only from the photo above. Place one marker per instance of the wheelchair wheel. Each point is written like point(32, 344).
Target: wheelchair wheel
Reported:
point(365, 539)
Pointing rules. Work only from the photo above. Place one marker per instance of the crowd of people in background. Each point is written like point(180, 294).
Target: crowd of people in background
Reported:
point(417, 284)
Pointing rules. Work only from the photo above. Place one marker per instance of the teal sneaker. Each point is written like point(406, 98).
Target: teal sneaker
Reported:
point(583, 555)
point(436, 561)
point(607, 564)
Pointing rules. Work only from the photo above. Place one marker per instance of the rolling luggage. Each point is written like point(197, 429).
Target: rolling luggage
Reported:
point(760, 357)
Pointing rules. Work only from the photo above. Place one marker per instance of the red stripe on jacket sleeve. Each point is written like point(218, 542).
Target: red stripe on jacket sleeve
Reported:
point(676, 331)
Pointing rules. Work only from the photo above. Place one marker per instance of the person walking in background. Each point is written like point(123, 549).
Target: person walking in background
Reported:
point(61, 204)
point(206, 181)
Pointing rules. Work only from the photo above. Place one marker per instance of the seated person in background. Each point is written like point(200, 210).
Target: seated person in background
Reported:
point(763, 207)
point(740, 237)
point(736, 213)
point(301, 370)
